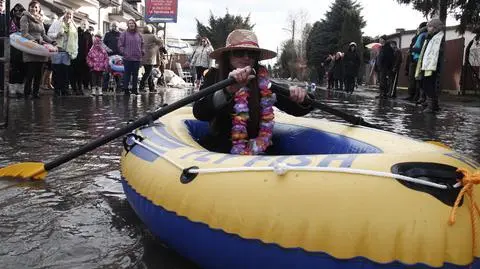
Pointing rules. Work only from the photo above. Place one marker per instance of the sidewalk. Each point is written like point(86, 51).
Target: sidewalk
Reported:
point(373, 91)
point(445, 97)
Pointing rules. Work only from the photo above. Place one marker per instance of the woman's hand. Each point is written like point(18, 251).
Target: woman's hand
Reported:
point(242, 76)
point(297, 94)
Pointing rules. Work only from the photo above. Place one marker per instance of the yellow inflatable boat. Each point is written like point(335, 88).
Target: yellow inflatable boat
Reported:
point(336, 196)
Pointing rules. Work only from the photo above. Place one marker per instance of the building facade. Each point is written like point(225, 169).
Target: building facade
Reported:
point(99, 13)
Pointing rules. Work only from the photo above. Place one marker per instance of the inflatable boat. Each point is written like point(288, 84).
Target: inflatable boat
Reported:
point(335, 196)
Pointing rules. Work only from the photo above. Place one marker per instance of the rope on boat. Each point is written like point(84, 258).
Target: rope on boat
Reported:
point(282, 168)
point(154, 151)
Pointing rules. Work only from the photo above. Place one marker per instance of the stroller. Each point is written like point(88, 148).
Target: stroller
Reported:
point(115, 70)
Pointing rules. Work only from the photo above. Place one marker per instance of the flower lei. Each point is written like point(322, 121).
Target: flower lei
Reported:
point(240, 142)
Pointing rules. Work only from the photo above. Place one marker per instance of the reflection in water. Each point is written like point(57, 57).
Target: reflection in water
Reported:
point(79, 216)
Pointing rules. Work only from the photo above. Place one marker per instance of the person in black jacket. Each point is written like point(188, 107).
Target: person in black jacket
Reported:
point(17, 66)
point(351, 62)
point(111, 41)
point(393, 79)
point(384, 66)
point(3, 33)
point(241, 115)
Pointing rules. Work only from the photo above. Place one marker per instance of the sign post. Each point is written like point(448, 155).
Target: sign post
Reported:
point(158, 11)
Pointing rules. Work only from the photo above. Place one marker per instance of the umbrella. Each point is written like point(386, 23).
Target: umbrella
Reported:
point(373, 45)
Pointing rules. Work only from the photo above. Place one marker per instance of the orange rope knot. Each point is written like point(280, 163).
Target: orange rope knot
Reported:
point(468, 181)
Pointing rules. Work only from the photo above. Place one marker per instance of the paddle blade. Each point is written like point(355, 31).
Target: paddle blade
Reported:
point(24, 170)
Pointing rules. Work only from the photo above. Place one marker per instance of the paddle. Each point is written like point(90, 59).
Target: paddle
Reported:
point(37, 170)
point(345, 116)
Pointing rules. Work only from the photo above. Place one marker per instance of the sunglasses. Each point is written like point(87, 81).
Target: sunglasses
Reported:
point(249, 53)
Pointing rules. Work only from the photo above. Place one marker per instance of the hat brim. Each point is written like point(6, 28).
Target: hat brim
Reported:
point(264, 53)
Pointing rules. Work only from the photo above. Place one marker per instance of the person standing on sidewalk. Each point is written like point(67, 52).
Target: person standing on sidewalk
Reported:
point(430, 63)
point(97, 60)
point(201, 60)
point(338, 71)
point(393, 79)
point(3, 33)
point(384, 66)
point(352, 65)
point(111, 41)
point(131, 47)
point(411, 64)
point(17, 67)
point(64, 31)
point(151, 46)
point(31, 26)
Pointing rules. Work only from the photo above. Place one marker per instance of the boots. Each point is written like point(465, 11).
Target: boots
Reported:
point(12, 90)
point(432, 106)
point(19, 90)
point(99, 91)
point(47, 80)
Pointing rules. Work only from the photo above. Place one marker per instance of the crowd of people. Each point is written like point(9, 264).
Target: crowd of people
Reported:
point(82, 61)
point(423, 63)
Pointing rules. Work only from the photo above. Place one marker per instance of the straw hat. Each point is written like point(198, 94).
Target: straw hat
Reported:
point(242, 39)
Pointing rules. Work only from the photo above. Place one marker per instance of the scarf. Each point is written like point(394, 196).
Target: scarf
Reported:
point(431, 53)
point(72, 39)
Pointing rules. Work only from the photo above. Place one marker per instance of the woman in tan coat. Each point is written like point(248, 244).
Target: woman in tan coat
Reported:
point(151, 46)
point(31, 26)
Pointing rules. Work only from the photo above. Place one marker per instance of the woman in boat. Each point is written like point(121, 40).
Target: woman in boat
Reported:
point(241, 116)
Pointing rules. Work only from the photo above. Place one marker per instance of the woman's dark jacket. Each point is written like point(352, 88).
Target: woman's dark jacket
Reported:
point(351, 61)
point(221, 119)
point(339, 69)
point(386, 58)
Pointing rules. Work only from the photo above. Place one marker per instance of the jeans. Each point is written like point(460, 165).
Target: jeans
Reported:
point(34, 74)
point(147, 77)
point(60, 77)
point(131, 69)
point(61, 57)
point(60, 65)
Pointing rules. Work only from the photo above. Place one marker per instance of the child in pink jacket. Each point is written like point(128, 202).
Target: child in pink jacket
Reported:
point(97, 60)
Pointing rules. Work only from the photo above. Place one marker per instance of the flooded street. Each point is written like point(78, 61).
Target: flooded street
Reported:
point(79, 217)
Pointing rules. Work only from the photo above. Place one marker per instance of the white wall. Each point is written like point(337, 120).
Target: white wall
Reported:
point(406, 39)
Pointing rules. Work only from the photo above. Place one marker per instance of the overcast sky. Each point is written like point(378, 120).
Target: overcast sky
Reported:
point(270, 16)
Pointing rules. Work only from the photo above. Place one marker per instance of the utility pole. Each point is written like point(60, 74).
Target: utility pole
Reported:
point(442, 11)
point(293, 31)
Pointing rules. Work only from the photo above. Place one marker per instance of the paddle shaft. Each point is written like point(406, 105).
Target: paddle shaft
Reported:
point(147, 119)
point(345, 116)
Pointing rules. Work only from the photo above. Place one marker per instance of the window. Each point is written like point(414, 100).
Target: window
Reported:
point(106, 27)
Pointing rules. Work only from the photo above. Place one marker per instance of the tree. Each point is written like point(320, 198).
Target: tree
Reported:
point(218, 29)
point(302, 45)
point(343, 23)
point(466, 11)
point(288, 59)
